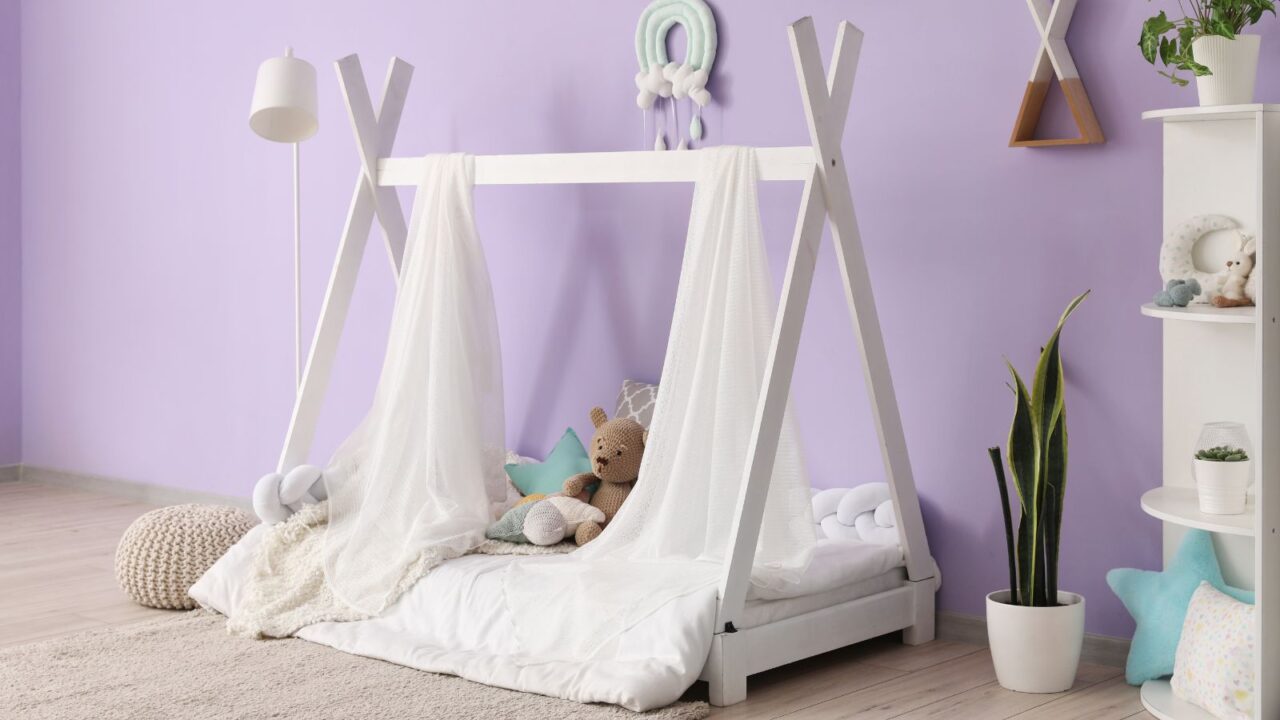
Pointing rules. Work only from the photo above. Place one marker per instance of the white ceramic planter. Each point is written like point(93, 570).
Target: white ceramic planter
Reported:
point(1035, 649)
point(1223, 487)
point(1234, 64)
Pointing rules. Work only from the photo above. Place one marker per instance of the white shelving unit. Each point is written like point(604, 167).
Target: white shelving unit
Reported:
point(1180, 505)
point(1224, 365)
point(1158, 698)
point(1202, 313)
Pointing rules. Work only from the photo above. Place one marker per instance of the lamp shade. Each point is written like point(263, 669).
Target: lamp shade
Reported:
point(284, 100)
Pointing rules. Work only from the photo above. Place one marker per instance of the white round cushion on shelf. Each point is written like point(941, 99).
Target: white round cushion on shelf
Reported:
point(1176, 262)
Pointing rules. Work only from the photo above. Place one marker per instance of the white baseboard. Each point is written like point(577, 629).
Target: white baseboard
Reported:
point(1098, 649)
point(10, 473)
point(140, 492)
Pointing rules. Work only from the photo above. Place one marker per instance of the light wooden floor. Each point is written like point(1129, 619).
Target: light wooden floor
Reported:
point(56, 577)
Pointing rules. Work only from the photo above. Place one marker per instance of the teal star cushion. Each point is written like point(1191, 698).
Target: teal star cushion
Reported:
point(1158, 602)
point(566, 460)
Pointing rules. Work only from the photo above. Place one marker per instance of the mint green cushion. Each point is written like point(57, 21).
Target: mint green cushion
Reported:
point(567, 459)
point(1158, 602)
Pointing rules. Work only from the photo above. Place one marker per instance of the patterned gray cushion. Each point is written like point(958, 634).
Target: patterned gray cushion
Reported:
point(636, 400)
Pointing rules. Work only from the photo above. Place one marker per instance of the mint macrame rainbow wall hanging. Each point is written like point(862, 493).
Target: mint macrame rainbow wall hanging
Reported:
point(661, 79)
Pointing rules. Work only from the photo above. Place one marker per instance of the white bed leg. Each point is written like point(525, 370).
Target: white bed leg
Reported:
point(726, 671)
point(922, 631)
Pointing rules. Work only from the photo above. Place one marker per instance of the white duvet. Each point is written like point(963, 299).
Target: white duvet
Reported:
point(455, 621)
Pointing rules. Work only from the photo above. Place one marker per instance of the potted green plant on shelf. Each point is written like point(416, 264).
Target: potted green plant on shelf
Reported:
point(1036, 630)
point(1222, 479)
point(1209, 43)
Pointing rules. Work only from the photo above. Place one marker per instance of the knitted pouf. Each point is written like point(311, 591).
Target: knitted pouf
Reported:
point(164, 552)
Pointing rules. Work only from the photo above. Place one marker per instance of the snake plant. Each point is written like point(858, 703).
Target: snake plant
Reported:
point(1037, 453)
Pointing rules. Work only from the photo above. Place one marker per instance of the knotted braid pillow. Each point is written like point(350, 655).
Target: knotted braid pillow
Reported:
point(164, 552)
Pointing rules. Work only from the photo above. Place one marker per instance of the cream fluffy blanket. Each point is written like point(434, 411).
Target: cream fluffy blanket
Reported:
point(288, 591)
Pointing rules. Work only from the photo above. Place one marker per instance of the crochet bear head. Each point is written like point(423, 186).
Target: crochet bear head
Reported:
point(616, 448)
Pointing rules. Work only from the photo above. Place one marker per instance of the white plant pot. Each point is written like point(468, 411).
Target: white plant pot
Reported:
point(1035, 649)
point(1234, 64)
point(1223, 487)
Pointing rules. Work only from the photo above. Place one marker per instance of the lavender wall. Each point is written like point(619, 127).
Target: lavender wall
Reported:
point(10, 238)
point(157, 343)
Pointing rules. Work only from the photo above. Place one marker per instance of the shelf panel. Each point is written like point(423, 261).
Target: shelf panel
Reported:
point(1202, 313)
point(1216, 112)
point(1180, 505)
point(1159, 700)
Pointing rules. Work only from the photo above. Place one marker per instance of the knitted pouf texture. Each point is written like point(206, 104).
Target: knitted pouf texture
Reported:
point(164, 552)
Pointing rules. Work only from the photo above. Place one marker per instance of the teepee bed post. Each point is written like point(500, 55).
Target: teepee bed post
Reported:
point(735, 652)
point(375, 135)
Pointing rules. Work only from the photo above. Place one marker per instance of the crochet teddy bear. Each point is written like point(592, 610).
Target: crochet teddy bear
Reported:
point(615, 451)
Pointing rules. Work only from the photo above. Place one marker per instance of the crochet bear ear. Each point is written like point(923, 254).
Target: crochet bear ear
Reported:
point(598, 417)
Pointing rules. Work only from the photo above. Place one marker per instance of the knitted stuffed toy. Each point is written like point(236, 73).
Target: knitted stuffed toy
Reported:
point(615, 451)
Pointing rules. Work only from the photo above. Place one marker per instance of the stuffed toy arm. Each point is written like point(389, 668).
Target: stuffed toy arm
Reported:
point(578, 483)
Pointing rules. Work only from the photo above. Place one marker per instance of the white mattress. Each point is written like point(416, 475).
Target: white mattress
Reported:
point(836, 564)
point(763, 612)
point(841, 570)
point(455, 621)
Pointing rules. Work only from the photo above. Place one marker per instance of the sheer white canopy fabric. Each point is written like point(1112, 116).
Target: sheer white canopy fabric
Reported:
point(671, 536)
point(412, 486)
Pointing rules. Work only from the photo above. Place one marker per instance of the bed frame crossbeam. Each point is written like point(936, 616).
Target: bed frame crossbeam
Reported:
point(776, 163)
point(821, 166)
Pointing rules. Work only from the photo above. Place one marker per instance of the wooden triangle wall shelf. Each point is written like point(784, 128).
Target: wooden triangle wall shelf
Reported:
point(1053, 60)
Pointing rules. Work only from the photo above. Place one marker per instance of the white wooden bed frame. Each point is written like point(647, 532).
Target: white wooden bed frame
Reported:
point(735, 653)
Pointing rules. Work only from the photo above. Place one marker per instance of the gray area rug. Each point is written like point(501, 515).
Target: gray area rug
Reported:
point(187, 666)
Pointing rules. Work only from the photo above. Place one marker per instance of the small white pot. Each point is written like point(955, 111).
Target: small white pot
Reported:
point(1234, 64)
point(1035, 649)
point(1223, 487)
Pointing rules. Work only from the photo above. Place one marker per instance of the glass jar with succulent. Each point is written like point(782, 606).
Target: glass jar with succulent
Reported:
point(1208, 42)
point(1223, 453)
point(1035, 629)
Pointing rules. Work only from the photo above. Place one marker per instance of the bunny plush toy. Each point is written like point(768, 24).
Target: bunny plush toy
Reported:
point(1240, 281)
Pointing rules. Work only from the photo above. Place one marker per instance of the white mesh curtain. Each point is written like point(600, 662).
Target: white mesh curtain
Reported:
point(413, 484)
point(671, 536)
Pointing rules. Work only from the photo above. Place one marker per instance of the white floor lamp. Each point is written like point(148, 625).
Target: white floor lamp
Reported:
point(284, 110)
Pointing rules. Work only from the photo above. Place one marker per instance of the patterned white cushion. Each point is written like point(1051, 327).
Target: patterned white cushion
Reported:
point(636, 401)
point(1213, 667)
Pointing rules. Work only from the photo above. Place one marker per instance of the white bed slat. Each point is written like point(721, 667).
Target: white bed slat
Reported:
point(826, 126)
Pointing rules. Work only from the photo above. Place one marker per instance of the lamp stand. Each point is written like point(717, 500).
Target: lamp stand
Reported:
point(297, 272)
